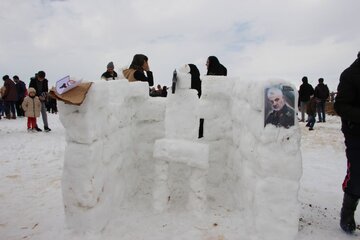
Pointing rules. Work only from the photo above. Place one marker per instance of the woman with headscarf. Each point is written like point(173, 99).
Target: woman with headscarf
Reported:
point(196, 84)
point(195, 78)
point(214, 67)
point(137, 69)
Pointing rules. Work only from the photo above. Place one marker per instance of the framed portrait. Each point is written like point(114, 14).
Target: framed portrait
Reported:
point(279, 105)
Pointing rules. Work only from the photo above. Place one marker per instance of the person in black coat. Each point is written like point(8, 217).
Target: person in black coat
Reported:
point(347, 106)
point(21, 91)
point(40, 84)
point(321, 93)
point(214, 67)
point(305, 91)
point(110, 74)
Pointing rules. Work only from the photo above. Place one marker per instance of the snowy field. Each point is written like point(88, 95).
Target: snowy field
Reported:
point(31, 167)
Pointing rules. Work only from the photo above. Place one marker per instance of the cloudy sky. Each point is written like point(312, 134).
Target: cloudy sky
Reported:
point(262, 39)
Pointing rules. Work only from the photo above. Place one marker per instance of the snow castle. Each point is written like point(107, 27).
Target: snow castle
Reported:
point(134, 165)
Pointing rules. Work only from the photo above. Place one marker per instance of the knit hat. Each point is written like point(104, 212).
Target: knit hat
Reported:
point(31, 90)
point(110, 65)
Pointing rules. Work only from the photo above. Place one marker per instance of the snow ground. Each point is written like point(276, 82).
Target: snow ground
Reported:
point(31, 167)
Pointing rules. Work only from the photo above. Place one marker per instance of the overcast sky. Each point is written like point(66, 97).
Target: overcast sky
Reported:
point(254, 39)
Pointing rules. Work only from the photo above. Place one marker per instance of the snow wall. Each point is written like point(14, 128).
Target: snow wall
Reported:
point(129, 154)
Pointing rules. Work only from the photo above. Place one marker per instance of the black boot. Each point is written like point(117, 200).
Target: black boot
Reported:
point(347, 221)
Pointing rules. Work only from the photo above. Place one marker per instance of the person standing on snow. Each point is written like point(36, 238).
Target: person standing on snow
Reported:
point(21, 93)
point(305, 91)
point(32, 108)
point(311, 112)
point(40, 84)
point(347, 106)
point(10, 97)
point(322, 94)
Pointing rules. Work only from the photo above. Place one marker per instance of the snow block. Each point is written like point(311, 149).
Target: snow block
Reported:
point(188, 152)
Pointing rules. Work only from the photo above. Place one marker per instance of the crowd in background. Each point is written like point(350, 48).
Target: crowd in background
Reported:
point(18, 101)
point(312, 101)
point(13, 94)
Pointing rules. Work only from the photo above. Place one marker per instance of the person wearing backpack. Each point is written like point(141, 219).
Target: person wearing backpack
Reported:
point(321, 94)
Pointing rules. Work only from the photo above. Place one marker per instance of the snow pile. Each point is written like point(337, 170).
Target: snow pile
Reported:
point(136, 162)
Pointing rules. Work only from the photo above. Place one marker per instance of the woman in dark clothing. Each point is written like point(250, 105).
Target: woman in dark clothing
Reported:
point(138, 66)
point(195, 78)
point(215, 67)
point(196, 84)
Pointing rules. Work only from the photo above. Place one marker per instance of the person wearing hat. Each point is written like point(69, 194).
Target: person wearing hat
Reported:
point(347, 106)
point(110, 74)
point(32, 107)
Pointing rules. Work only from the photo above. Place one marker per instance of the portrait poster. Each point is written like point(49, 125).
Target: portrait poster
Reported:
point(279, 106)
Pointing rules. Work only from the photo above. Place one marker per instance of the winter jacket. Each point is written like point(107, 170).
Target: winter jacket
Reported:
point(10, 93)
point(321, 92)
point(41, 87)
point(135, 75)
point(219, 71)
point(347, 100)
point(305, 91)
point(31, 106)
point(21, 89)
point(311, 107)
point(108, 76)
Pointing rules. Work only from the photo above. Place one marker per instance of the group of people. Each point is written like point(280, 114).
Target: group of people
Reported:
point(139, 70)
point(347, 106)
point(20, 101)
point(159, 91)
point(12, 94)
point(312, 101)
